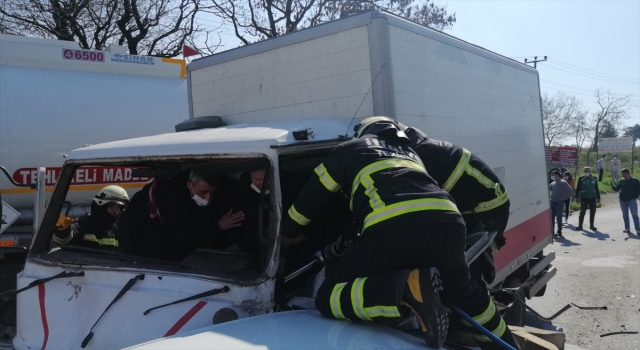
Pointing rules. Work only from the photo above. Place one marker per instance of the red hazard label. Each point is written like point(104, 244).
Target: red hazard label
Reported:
point(82, 176)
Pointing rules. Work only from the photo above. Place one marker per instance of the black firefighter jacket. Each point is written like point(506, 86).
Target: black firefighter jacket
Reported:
point(385, 182)
point(470, 181)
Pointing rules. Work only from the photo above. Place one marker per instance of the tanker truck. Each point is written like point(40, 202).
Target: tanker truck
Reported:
point(55, 97)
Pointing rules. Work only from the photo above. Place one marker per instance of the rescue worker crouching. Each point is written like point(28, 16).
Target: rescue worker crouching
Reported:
point(476, 189)
point(411, 229)
point(99, 229)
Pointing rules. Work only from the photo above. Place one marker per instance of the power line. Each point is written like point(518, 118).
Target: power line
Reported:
point(560, 84)
point(595, 77)
point(571, 87)
point(592, 75)
point(569, 64)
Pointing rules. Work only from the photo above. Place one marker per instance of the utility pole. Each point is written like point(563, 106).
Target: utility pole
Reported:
point(535, 61)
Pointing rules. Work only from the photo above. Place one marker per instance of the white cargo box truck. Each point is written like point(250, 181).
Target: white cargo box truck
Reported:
point(286, 103)
point(379, 64)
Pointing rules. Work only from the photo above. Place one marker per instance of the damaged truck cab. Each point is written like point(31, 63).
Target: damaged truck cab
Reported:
point(68, 292)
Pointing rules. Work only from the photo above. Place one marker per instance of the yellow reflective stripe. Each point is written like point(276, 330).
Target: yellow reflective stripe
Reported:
point(489, 205)
point(479, 176)
point(63, 241)
point(481, 337)
point(458, 171)
point(405, 207)
point(109, 241)
point(372, 192)
point(382, 311)
point(89, 237)
point(379, 166)
point(326, 179)
point(486, 315)
point(499, 331)
point(357, 299)
point(297, 217)
point(336, 310)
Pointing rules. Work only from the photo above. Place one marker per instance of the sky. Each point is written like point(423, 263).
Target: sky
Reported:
point(589, 44)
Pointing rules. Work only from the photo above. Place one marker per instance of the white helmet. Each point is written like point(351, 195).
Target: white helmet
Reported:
point(376, 126)
point(112, 194)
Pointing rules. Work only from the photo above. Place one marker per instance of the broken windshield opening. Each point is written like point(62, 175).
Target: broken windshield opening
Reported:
point(209, 216)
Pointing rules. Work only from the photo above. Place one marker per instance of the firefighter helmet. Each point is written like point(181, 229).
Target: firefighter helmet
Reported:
point(415, 135)
point(376, 126)
point(112, 194)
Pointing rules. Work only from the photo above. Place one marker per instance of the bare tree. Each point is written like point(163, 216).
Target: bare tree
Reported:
point(151, 27)
point(612, 109)
point(255, 20)
point(558, 116)
point(580, 131)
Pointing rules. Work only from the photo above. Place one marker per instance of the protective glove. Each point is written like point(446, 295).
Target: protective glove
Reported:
point(64, 222)
point(287, 241)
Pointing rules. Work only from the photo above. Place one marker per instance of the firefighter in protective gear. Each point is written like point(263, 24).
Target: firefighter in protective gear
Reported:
point(410, 230)
point(476, 189)
point(99, 229)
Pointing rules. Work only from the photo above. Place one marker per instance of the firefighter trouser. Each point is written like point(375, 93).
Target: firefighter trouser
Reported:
point(368, 282)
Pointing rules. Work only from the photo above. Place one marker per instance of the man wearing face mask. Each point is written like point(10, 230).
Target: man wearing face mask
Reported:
point(560, 192)
point(170, 218)
point(588, 193)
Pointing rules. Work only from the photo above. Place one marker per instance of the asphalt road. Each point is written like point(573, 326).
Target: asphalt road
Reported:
point(600, 268)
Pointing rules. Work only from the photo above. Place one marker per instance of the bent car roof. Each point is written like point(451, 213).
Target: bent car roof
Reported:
point(243, 138)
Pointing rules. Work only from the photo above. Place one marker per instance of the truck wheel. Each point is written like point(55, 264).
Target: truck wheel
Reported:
point(8, 304)
point(515, 315)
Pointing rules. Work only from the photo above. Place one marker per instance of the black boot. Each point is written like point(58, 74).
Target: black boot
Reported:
point(421, 295)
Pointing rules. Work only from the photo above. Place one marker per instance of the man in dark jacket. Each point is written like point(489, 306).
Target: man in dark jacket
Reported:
point(247, 198)
point(588, 193)
point(629, 188)
point(170, 218)
point(410, 230)
point(478, 193)
point(98, 230)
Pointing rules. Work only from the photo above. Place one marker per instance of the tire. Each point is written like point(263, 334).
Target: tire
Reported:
point(8, 325)
point(515, 315)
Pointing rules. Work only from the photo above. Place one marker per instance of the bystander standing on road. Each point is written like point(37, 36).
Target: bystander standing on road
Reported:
point(600, 167)
point(567, 204)
point(615, 166)
point(588, 193)
point(560, 192)
point(629, 188)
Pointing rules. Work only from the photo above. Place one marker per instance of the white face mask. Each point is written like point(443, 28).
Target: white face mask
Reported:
point(257, 189)
point(199, 200)
point(587, 174)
